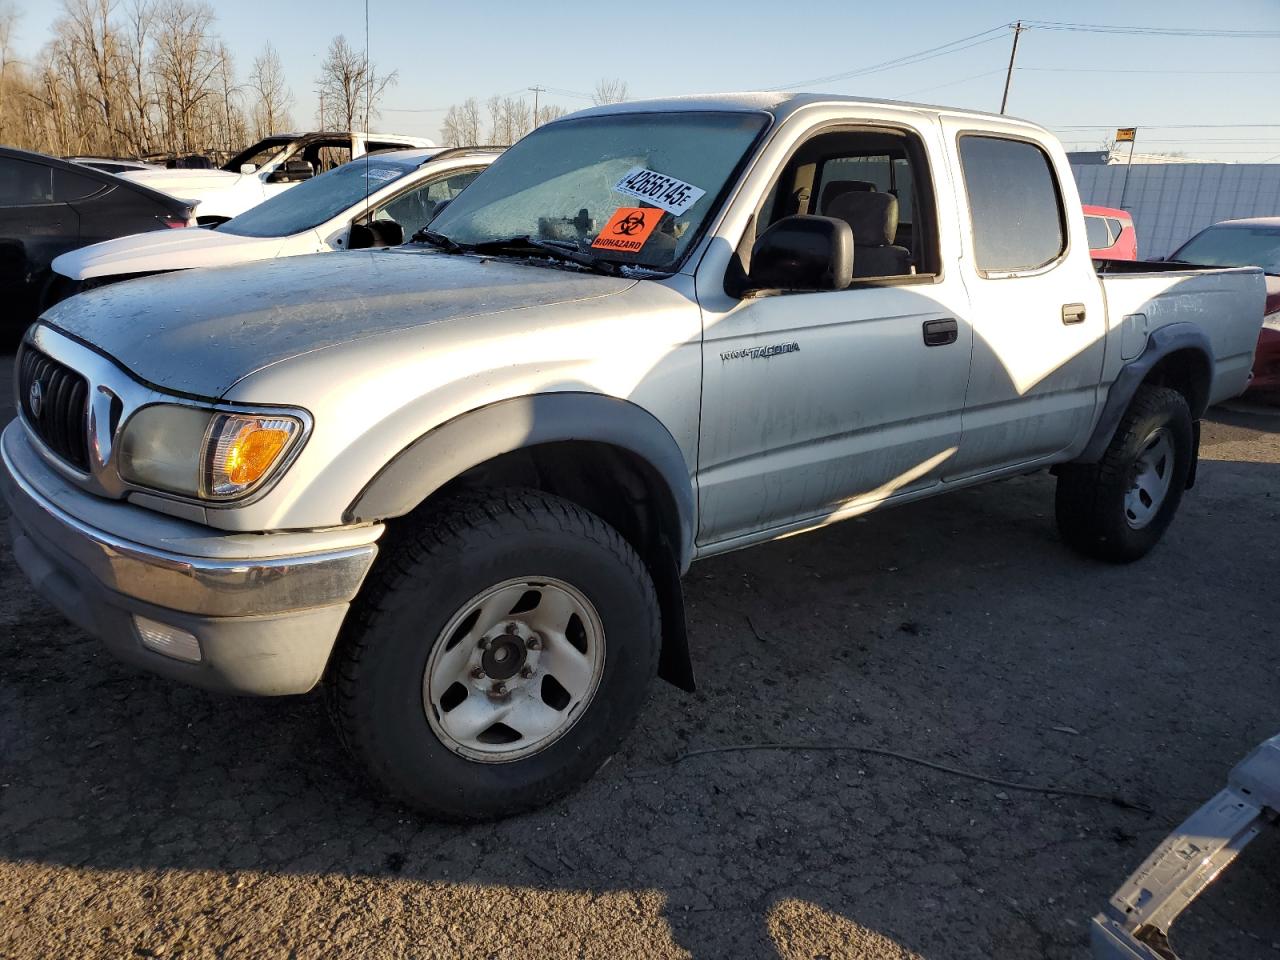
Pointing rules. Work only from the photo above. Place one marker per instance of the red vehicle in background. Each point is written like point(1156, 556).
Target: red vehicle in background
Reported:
point(1111, 234)
point(1247, 243)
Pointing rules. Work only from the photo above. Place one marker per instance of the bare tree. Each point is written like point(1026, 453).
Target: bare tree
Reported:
point(139, 97)
point(273, 99)
point(462, 124)
point(609, 90)
point(350, 87)
point(548, 112)
point(185, 63)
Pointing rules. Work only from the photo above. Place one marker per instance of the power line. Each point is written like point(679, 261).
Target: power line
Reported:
point(1167, 126)
point(942, 50)
point(1154, 31)
point(953, 83)
point(1199, 73)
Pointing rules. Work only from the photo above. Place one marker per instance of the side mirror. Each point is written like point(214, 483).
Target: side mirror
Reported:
point(291, 171)
point(248, 167)
point(803, 253)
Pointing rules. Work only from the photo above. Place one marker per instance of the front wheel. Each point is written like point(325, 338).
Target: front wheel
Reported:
point(1118, 508)
point(497, 657)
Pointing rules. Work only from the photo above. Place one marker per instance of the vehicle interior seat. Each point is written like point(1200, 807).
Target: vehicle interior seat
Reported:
point(873, 218)
point(837, 188)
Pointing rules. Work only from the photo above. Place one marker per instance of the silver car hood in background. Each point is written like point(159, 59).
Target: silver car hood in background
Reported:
point(199, 331)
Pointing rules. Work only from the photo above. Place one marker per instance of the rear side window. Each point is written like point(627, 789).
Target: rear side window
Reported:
point(1095, 229)
point(1014, 202)
point(68, 185)
point(1116, 226)
point(23, 183)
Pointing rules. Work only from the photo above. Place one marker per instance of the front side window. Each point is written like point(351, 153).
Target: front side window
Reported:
point(1233, 246)
point(1014, 203)
point(414, 208)
point(317, 200)
point(23, 183)
point(628, 188)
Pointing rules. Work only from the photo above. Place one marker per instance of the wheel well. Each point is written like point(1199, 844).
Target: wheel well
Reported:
point(1188, 372)
point(624, 491)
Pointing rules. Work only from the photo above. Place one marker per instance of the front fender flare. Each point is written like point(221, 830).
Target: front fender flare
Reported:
point(470, 439)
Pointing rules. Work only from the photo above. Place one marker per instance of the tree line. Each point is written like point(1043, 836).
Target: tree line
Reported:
point(152, 78)
point(504, 120)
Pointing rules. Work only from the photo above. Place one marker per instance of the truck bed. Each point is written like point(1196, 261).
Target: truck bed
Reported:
point(1226, 304)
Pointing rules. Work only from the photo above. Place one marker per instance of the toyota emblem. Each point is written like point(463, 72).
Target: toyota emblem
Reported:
point(35, 398)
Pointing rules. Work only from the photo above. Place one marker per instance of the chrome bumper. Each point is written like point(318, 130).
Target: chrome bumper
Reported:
point(265, 607)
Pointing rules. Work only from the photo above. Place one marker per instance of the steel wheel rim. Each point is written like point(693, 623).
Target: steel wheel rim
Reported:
point(1150, 479)
point(514, 669)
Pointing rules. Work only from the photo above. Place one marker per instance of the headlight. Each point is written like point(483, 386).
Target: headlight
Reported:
point(204, 453)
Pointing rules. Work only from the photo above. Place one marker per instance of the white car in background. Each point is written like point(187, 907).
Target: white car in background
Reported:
point(375, 201)
point(270, 166)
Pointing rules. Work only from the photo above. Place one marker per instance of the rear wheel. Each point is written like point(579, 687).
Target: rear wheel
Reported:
point(497, 657)
point(1118, 508)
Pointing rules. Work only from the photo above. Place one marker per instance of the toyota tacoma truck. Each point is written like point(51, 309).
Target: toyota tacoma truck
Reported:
point(457, 483)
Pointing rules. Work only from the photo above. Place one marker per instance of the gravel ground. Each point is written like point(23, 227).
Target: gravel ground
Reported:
point(142, 819)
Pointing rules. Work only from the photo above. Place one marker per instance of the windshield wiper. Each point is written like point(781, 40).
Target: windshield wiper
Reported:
point(558, 249)
point(437, 240)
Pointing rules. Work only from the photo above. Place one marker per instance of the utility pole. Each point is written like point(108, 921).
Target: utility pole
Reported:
point(1008, 77)
point(536, 90)
point(1130, 134)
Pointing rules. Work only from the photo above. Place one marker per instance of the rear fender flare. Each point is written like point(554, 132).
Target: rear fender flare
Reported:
point(1162, 342)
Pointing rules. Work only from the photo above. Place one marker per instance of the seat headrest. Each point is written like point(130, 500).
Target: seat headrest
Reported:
point(835, 188)
point(873, 217)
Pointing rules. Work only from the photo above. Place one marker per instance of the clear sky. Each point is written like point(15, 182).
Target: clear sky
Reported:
point(1068, 79)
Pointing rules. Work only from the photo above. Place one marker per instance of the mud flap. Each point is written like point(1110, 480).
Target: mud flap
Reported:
point(1195, 454)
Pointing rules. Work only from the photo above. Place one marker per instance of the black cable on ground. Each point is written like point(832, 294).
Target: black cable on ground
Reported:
point(1115, 799)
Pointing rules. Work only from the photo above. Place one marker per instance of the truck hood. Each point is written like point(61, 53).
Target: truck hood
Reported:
point(164, 250)
point(198, 332)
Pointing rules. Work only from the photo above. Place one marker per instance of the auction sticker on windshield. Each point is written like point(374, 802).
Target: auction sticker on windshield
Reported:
point(674, 196)
point(627, 229)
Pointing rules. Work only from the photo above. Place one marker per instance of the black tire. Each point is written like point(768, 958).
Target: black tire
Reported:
point(460, 549)
point(1090, 502)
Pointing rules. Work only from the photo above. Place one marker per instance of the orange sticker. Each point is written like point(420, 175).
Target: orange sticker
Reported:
point(628, 229)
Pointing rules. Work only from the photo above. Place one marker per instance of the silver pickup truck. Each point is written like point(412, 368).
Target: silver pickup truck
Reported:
point(457, 482)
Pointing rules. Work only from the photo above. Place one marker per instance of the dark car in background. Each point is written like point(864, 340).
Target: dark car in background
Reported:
point(49, 206)
point(1254, 242)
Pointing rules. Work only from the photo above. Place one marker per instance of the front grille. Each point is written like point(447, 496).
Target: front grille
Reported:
point(62, 418)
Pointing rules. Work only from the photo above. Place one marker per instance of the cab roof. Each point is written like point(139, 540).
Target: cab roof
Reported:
point(780, 104)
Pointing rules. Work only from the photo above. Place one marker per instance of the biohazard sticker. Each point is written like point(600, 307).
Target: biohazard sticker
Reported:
point(674, 196)
point(627, 229)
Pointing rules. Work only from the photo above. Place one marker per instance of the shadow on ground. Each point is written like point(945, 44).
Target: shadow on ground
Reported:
point(141, 817)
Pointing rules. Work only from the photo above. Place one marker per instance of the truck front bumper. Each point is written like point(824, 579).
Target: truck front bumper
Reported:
point(244, 613)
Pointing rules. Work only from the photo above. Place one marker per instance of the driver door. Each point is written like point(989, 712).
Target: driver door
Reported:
point(818, 405)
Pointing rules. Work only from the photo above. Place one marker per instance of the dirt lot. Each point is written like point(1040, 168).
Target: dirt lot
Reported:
point(141, 819)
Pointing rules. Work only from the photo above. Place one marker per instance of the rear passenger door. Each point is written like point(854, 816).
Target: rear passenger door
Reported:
point(1035, 302)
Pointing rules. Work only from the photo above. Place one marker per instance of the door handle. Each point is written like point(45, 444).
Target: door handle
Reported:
point(1072, 313)
point(938, 333)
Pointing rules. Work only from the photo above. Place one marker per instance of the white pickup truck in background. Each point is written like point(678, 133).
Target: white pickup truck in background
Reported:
point(458, 481)
point(268, 167)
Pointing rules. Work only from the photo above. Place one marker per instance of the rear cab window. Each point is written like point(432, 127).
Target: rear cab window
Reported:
point(1015, 205)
